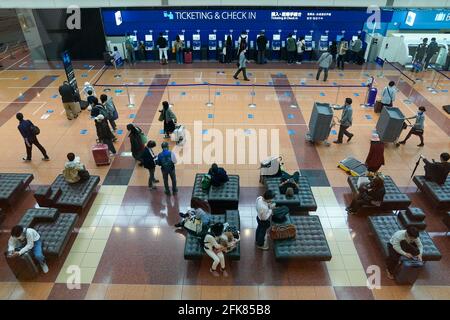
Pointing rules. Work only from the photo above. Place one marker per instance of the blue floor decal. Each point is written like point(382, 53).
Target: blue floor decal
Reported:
point(25, 78)
point(322, 94)
point(250, 116)
point(205, 131)
point(356, 94)
point(291, 132)
point(333, 132)
point(83, 131)
point(54, 96)
point(149, 94)
point(183, 93)
point(132, 116)
point(119, 132)
point(210, 116)
point(368, 117)
point(217, 93)
point(290, 116)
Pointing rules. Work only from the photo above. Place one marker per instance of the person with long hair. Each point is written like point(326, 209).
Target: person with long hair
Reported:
point(228, 50)
point(375, 158)
point(137, 141)
point(169, 118)
point(369, 194)
point(417, 128)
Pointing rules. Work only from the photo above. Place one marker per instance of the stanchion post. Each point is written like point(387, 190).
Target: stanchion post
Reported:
point(408, 100)
point(337, 94)
point(437, 81)
point(168, 96)
point(130, 103)
point(253, 105)
point(209, 103)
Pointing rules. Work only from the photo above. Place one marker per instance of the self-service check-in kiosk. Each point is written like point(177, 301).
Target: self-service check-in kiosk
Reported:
point(149, 46)
point(323, 43)
point(212, 47)
point(196, 46)
point(276, 46)
point(309, 46)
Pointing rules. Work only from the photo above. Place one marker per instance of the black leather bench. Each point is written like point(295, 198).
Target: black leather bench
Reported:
point(220, 199)
point(413, 217)
point(12, 185)
point(385, 226)
point(67, 197)
point(193, 249)
point(446, 220)
point(303, 202)
point(394, 199)
point(439, 195)
point(310, 243)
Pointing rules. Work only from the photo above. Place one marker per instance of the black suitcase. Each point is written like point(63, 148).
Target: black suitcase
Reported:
point(446, 108)
point(23, 267)
point(408, 271)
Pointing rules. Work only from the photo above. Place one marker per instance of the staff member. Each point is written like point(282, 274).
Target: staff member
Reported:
point(346, 121)
point(388, 95)
point(417, 128)
point(264, 207)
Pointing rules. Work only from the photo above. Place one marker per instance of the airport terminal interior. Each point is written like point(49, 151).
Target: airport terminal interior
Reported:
point(112, 236)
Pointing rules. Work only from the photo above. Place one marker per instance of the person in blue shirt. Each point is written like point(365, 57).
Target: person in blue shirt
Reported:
point(167, 160)
point(346, 121)
point(26, 129)
point(417, 128)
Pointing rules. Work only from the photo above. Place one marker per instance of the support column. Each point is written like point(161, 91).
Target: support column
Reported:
point(31, 33)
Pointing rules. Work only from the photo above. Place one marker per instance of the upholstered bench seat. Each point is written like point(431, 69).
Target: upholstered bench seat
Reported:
point(413, 217)
point(193, 249)
point(385, 226)
point(304, 201)
point(310, 242)
point(11, 185)
point(438, 195)
point(394, 199)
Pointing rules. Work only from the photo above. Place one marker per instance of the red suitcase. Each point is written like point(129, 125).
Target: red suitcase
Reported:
point(188, 57)
point(101, 154)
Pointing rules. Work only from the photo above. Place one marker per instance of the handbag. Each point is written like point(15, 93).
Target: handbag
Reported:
point(280, 214)
point(35, 130)
point(144, 138)
point(282, 232)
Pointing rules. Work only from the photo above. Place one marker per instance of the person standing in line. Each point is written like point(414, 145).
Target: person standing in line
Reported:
point(300, 49)
point(355, 49)
point(104, 133)
point(417, 128)
point(179, 46)
point(69, 100)
point(333, 50)
point(130, 49)
point(28, 131)
point(137, 141)
point(169, 118)
point(228, 50)
point(388, 95)
point(291, 49)
point(342, 50)
point(419, 56)
point(111, 110)
point(375, 158)
point(149, 161)
point(142, 51)
point(167, 160)
point(432, 49)
point(346, 121)
point(242, 66)
point(116, 58)
point(261, 43)
point(264, 207)
point(324, 63)
point(242, 42)
point(161, 43)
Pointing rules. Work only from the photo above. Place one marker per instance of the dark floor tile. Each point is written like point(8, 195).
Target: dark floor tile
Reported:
point(353, 293)
point(317, 178)
point(61, 292)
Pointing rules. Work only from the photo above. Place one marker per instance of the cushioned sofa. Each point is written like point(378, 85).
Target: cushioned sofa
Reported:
point(438, 195)
point(225, 197)
point(394, 199)
point(67, 197)
point(303, 202)
point(310, 243)
point(193, 249)
point(12, 185)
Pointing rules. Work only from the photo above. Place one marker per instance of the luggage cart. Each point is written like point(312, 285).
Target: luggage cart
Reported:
point(321, 123)
point(390, 125)
point(353, 166)
point(270, 167)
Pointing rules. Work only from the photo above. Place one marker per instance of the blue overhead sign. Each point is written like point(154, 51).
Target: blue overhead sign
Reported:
point(422, 19)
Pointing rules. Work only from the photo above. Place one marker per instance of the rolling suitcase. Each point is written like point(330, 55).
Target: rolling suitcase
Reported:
point(408, 271)
point(188, 57)
point(101, 154)
point(179, 135)
point(378, 106)
point(23, 267)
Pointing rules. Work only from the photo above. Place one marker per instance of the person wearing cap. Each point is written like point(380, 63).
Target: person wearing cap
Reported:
point(88, 87)
point(264, 209)
point(148, 159)
point(167, 160)
point(104, 133)
point(417, 128)
point(346, 121)
point(375, 158)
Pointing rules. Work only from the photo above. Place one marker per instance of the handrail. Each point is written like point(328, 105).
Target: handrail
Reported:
point(413, 81)
point(441, 73)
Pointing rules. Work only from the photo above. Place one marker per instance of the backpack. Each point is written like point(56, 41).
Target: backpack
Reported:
point(206, 182)
point(166, 163)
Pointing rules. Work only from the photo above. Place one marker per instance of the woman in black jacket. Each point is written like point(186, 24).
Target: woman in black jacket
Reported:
point(136, 141)
point(370, 194)
point(104, 133)
point(229, 50)
point(149, 163)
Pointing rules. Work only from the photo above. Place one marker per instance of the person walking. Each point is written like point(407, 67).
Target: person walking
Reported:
point(111, 111)
point(69, 100)
point(300, 49)
point(104, 133)
point(324, 63)
point(421, 51)
point(167, 160)
point(342, 50)
point(161, 43)
point(179, 46)
point(346, 121)
point(138, 141)
point(261, 44)
point(388, 95)
point(264, 207)
point(432, 49)
point(129, 45)
point(228, 50)
point(291, 48)
point(375, 158)
point(242, 66)
point(29, 131)
point(333, 50)
point(169, 118)
point(417, 128)
point(149, 162)
point(242, 42)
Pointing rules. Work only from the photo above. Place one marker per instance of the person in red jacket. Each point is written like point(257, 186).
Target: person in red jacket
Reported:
point(375, 158)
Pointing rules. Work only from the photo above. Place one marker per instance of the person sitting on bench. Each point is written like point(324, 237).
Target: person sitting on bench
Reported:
point(201, 211)
point(74, 171)
point(371, 193)
point(218, 175)
point(403, 243)
point(437, 171)
point(289, 181)
point(23, 240)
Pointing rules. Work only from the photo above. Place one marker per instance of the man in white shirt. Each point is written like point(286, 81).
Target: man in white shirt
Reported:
point(23, 240)
point(264, 207)
point(403, 243)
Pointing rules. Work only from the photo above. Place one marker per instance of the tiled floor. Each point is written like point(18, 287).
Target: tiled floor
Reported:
point(125, 244)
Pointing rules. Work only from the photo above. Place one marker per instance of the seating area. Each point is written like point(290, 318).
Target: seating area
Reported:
point(225, 197)
point(193, 249)
point(67, 197)
point(302, 203)
point(438, 195)
point(394, 199)
point(309, 244)
point(11, 186)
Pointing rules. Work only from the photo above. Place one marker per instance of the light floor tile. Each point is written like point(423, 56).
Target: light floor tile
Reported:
point(91, 260)
point(248, 292)
point(172, 292)
point(358, 278)
point(6, 289)
point(268, 292)
point(87, 274)
point(347, 247)
point(80, 245)
point(339, 278)
point(439, 292)
point(191, 292)
point(86, 232)
point(31, 291)
point(287, 293)
point(306, 292)
point(102, 233)
point(352, 262)
point(96, 291)
point(325, 293)
point(111, 210)
point(107, 221)
point(97, 246)
point(154, 292)
point(336, 263)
